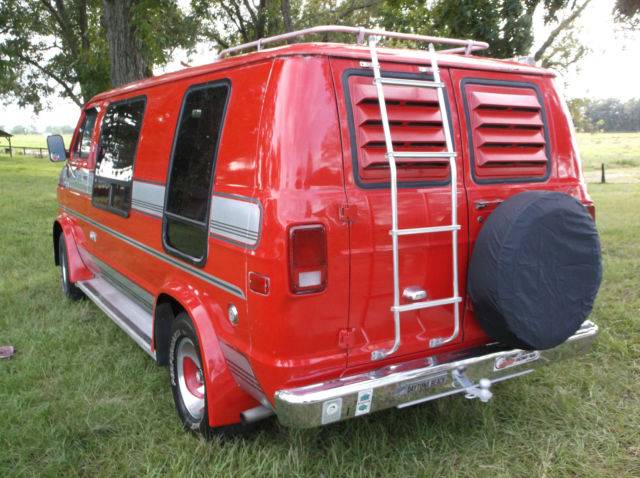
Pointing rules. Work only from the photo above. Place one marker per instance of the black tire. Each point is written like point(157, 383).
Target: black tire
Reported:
point(183, 335)
point(68, 288)
point(535, 270)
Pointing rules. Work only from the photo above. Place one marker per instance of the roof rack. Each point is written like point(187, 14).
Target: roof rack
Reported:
point(459, 45)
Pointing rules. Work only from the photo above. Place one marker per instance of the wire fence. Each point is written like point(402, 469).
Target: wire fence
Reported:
point(24, 151)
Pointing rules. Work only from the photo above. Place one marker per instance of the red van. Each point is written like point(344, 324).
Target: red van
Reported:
point(320, 231)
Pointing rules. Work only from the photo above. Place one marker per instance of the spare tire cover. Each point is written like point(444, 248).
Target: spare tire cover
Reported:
point(535, 270)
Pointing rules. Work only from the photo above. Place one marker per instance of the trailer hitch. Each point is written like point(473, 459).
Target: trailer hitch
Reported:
point(480, 391)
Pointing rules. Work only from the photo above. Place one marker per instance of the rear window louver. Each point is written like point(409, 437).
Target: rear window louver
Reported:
point(416, 125)
point(507, 131)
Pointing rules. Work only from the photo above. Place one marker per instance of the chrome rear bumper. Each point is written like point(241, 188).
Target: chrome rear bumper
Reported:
point(409, 383)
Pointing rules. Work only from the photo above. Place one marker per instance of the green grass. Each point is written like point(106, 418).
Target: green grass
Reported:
point(619, 152)
point(32, 140)
point(615, 150)
point(80, 398)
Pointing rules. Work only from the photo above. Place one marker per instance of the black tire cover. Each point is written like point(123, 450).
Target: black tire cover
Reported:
point(535, 270)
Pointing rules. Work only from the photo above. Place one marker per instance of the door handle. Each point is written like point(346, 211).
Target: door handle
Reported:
point(485, 204)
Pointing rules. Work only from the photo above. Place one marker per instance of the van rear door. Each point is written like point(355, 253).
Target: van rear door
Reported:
point(424, 199)
point(506, 142)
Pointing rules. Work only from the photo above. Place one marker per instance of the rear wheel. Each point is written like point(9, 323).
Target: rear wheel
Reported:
point(188, 383)
point(68, 288)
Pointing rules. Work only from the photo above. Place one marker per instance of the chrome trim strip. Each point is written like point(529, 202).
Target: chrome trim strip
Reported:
point(131, 329)
point(211, 279)
point(148, 198)
point(235, 218)
point(404, 384)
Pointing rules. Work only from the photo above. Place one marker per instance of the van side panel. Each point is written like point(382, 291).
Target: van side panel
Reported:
point(295, 338)
point(130, 247)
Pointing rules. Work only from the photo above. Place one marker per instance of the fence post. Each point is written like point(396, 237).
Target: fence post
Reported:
point(603, 179)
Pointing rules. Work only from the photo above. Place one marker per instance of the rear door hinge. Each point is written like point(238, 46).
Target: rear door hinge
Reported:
point(347, 338)
point(348, 212)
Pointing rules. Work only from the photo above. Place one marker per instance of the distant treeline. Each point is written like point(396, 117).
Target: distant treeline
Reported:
point(20, 129)
point(605, 115)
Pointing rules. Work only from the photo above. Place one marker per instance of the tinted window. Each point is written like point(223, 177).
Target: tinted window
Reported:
point(192, 166)
point(83, 143)
point(114, 163)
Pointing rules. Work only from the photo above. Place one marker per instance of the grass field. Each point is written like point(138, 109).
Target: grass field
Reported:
point(619, 152)
point(33, 140)
point(79, 398)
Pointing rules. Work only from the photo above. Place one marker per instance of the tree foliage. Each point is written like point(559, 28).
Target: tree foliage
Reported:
point(229, 22)
point(49, 46)
point(505, 24)
point(609, 114)
point(627, 12)
point(80, 47)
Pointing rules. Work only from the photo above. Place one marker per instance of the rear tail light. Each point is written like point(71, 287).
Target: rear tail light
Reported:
point(307, 258)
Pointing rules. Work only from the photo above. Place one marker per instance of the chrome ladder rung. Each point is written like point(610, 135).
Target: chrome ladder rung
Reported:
point(423, 154)
point(426, 304)
point(408, 82)
point(396, 232)
point(426, 230)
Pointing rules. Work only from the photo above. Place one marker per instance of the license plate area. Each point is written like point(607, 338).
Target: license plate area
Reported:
point(421, 386)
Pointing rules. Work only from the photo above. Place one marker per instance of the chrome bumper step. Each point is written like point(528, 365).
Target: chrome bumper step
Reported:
point(405, 384)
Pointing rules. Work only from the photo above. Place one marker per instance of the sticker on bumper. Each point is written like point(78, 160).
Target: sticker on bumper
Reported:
point(515, 359)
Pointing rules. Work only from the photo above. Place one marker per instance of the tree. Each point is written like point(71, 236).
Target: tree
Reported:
point(20, 129)
point(144, 33)
point(229, 22)
point(60, 46)
point(609, 114)
point(561, 48)
point(48, 46)
point(505, 24)
point(627, 12)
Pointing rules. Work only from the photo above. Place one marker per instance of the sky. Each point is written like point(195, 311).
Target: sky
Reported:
point(611, 69)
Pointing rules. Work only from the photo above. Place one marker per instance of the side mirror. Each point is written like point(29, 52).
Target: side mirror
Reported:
point(57, 151)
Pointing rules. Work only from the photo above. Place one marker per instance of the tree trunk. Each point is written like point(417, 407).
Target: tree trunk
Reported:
point(127, 62)
point(286, 15)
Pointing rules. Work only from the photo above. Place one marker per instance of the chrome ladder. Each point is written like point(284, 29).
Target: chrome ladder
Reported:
point(395, 232)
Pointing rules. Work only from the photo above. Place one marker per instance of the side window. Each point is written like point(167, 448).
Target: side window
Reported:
point(186, 225)
point(82, 147)
point(117, 151)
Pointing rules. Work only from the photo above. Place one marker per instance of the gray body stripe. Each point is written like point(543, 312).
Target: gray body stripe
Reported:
point(226, 286)
point(120, 281)
point(215, 226)
point(235, 218)
point(148, 198)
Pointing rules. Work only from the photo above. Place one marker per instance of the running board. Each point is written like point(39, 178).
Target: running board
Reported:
point(123, 310)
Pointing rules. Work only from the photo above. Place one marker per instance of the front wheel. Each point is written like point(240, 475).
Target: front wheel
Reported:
point(69, 289)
